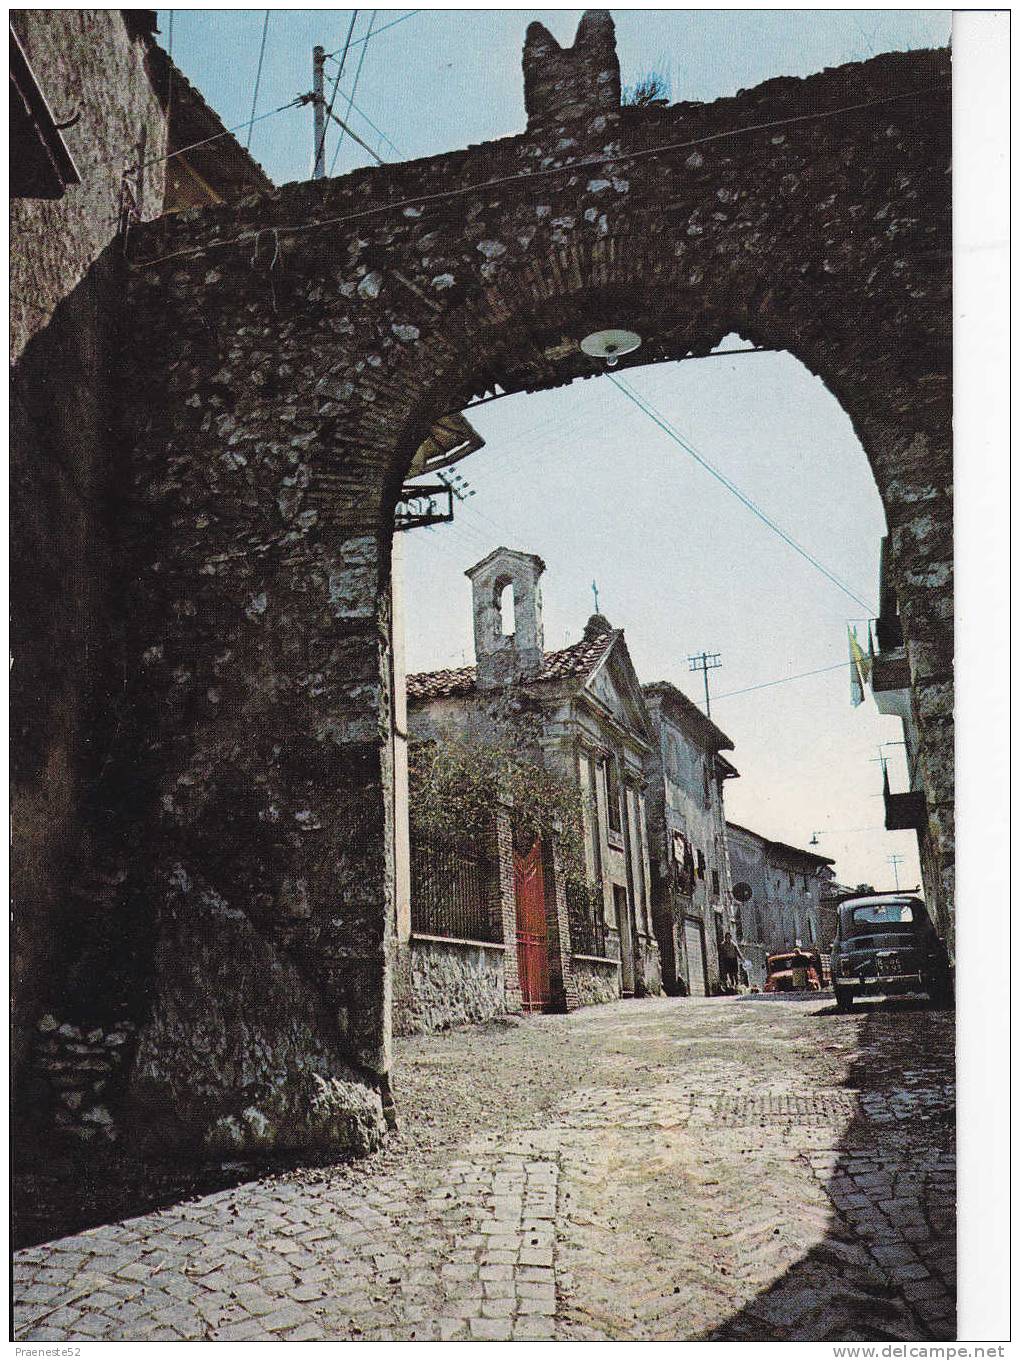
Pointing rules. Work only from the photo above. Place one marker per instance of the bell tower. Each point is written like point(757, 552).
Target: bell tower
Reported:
point(507, 608)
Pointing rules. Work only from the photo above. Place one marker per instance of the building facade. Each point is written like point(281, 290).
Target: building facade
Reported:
point(579, 713)
point(780, 891)
point(692, 901)
point(97, 112)
point(888, 672)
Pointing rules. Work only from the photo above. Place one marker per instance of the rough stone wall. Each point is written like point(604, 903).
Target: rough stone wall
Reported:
point(596, 980)
point(86, 62)
point(287, 354)
point(238, 1052)
point(564, 84)
point(78, 1076)
point(68, 679)
point(451, 983)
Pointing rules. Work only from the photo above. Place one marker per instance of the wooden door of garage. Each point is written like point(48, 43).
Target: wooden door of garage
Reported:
point(694, 945)
point(532, 931)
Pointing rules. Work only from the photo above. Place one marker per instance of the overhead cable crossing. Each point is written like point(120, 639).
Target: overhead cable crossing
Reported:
point(661, 421)
point(258, 80)
point(358, 42)
point(350, 101)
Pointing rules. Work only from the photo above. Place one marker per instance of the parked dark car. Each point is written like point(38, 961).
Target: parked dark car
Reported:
point(886, 943)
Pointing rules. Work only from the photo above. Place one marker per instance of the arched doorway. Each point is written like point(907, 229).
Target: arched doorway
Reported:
point(288, 357)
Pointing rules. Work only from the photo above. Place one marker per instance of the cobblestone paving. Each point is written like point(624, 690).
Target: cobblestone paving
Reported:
point(664, 1169)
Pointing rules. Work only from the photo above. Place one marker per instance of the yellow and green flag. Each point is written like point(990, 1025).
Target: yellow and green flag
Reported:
point(860, 668)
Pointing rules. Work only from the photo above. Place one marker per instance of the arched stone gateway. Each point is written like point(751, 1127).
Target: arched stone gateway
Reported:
point(284, 359)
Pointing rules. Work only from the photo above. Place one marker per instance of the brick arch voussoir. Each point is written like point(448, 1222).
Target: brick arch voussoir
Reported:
point(627, 280)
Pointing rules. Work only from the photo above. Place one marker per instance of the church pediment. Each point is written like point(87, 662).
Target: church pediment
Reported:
point(614, 687)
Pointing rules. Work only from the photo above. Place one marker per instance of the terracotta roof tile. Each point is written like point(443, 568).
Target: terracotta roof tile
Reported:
point(580, 659)
point(441, 684)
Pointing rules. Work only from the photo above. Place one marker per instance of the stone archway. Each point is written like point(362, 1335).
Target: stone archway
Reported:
point(284, 359)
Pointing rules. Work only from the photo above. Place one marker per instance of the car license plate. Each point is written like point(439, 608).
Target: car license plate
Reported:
point(889, 964)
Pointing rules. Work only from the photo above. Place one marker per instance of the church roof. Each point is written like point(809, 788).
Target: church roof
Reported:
point(579, 659)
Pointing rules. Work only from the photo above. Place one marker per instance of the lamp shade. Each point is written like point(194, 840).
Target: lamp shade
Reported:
point(609, 345)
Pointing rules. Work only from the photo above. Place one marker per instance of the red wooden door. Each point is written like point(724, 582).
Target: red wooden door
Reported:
point(532, 934)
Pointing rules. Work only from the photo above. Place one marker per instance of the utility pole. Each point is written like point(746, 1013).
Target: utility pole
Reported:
point(319, 112)
point(705, 662)
point(895, 861)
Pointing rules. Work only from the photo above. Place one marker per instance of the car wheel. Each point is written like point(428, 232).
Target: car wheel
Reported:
point(844, 998)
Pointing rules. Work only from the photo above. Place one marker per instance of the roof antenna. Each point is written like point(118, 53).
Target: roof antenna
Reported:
point(595, 593)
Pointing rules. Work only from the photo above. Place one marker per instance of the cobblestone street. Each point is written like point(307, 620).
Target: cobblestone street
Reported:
point(659, 1169)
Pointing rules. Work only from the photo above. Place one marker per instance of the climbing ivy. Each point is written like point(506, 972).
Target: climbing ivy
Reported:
point(455, 787)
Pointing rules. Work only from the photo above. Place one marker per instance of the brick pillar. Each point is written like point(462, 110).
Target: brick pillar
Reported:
point(561, 974)
point(505, 904)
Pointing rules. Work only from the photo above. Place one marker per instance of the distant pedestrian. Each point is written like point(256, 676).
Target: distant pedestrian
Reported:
point(729, 963)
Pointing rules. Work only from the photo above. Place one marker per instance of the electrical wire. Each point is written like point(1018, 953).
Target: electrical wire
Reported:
point(568, 168)
point(354, 88)
point(331, 56)
point(374, 126)
point(294, 103)
point(656, 416)
point(336, 85)
point(783, 680)
point(258, 79)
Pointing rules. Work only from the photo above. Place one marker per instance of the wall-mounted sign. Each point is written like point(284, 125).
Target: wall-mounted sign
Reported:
point(742, 892)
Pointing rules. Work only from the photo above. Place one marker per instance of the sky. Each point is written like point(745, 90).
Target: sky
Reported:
point(583, 478)
point(444, 79)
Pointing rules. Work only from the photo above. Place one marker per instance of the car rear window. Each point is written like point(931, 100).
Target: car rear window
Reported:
point(883, 914)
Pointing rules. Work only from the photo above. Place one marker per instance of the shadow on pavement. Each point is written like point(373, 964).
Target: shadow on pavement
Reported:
point(54, 1195)
point(885, 1269)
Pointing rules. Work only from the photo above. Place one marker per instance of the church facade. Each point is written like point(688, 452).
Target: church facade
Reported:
point(580, 714)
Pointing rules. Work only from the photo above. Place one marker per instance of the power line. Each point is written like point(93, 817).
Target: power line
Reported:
point(783, 680)
point(294, 103)
point(568, 168)
point(374, 126)
point(258, 79)
point(336, 85)
point(331, 56)
point(650, 411)
point(354, 87)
